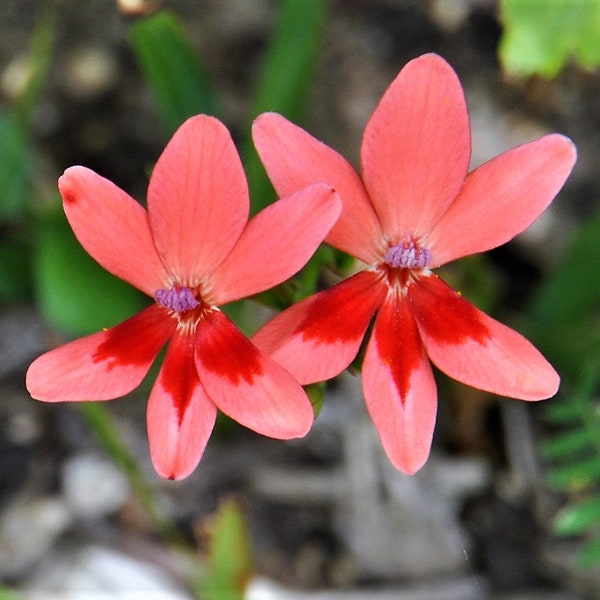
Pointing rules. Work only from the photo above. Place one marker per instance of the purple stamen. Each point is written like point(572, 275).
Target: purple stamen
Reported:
point(407, 255)
point(177, 299)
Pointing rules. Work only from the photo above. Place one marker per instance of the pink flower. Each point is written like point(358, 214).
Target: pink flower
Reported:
point(191, 251)
point(415, 209)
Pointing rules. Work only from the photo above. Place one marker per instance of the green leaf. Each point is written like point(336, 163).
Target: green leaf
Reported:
point(567, 444)
point(76, 294)
point(230, 556)
point(561, 412)
point(9, 594)
point(572, 291)
point(575, 476)
point(578, 518)
point(15, 169)
point(15, 148)
point(288, 71)
point(40, 59)
point(590, 555)
point(291, 57)
point(541, 35)
point(172, 69)
point(15, 271)
point(316, 395)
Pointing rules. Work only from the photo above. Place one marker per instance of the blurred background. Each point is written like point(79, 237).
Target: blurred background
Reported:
point(508, 505)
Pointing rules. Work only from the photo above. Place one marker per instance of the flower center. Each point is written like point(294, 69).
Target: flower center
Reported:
point(407, 255)
point(178, 299)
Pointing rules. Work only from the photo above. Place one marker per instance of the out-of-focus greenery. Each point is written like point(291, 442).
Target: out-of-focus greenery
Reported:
point(75, 293)
point(565, 307)
point(574, 456)
point(229, 555)
point(8, 594)
point(172, 69)
point(564, 312)
point(16, 168)
point(289, 65)
point(540, 36)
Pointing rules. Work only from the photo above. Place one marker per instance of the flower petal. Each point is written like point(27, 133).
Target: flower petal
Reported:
point(503, 197)
point(246, 385)
point(294, 159)
point(473, 348)
point(180, 415)
point(416, 148)
point(197, 199)
point(317, 338)
point(104, 365)
point(399, 387)
point(276, 244)
point(112, 227)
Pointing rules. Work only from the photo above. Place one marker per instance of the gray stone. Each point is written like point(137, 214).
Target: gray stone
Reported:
point(28, 529)
point(459, 588)
point(398, 525)
point(93, 486)
point(102, 574)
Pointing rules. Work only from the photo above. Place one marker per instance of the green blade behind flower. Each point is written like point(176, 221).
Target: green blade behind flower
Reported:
point(289, 66)
point(172, 69)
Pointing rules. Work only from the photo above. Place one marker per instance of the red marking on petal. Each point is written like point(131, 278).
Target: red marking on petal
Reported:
point(179, 376)
point(69, 197)
point(223, 349)
point(444, 313)
point(398, 341)
point(137, 340)
point(343, 309)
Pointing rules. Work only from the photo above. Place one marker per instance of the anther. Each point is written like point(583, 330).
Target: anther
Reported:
point(407, 255)
point(176, 299)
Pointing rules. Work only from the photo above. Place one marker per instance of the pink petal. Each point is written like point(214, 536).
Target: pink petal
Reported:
point(416, 148)
point(294, 159)
point(473, 348)
point(246, 385)
point(399, 387)
point(197, 199)
point(503, 197)
point(104, 365)
point(112, 227)
point(180, 415)
point(317, 338)
point(276, 244)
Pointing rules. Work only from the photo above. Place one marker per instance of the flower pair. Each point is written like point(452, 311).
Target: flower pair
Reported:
point(415, 208)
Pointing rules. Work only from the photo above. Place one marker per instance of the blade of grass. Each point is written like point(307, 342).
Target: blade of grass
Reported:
point(15, 148)
point(229, 557)
point(102, 424)
point(288, 71)
point(172, 69)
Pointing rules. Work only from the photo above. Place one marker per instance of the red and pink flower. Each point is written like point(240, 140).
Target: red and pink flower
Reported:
point(416, 208)
point(192, 250)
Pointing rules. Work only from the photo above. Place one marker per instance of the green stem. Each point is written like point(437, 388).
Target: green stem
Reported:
point(102, 424)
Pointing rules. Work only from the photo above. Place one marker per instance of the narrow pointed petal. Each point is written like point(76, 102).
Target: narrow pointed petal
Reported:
point(317, 338)
point(294, 159)
point(180, 415)
point(104, 365)
point(399, 387)
point(416, 148)
point(246, 385)
point(276, 244)
point(502, 197)
point(198, 200)
point(473, 348)
point(112, 227)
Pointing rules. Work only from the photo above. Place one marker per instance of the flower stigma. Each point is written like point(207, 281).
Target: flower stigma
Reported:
point(407, 255)
point(178, 299)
